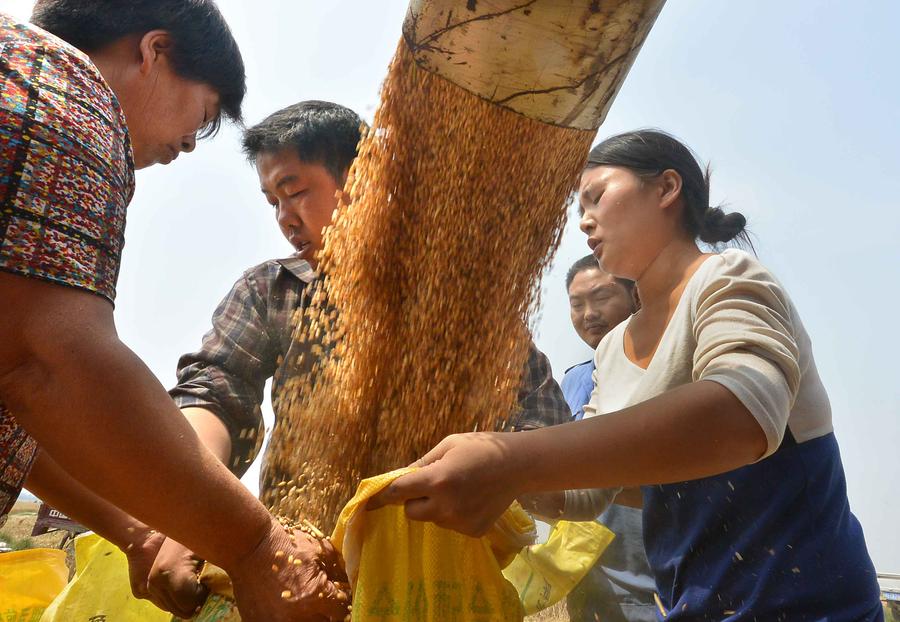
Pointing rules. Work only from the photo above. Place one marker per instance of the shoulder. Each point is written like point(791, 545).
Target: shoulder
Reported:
point(79, 114)
point(578, 375)
point(25, 37)
point(580, 368)
point(734, 263)
point(738, 274)
point(735, 285)
point(65, 72)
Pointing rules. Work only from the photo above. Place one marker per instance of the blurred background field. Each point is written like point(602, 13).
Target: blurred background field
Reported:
point(16, 533)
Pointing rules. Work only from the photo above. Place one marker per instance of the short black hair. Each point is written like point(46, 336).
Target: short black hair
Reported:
point(589, 262)
point(318, 131)
point(204, 49)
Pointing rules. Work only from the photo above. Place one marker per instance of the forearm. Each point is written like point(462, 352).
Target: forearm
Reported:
point(55, 487)
point(64, 369)
point(587, 503)
point(210, 430)
point(136, 449)
point(548, 505)
point(694, 431)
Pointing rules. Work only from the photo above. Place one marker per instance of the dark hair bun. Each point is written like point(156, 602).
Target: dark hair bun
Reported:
point(649, 153)
point(718, 227)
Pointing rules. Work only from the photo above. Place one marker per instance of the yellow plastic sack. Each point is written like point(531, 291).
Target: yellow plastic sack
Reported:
point(100, 589)
point(545, 573)
point(408, 570)
point(29, 581)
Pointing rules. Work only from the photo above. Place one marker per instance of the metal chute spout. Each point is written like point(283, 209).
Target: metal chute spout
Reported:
point(557, 61)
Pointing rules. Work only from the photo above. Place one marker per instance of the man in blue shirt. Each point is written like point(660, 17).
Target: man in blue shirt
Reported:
point(597, 302)
point(619, 588)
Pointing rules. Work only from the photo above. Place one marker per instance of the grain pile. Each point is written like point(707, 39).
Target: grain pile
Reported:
point(431, 273)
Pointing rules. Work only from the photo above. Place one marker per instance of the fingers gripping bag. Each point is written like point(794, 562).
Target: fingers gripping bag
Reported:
point(409, 570)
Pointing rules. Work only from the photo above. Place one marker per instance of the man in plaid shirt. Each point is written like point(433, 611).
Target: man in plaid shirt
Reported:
point(302, 154)
point(250, 337)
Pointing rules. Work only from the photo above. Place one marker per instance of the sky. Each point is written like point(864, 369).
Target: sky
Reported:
point(793, 103)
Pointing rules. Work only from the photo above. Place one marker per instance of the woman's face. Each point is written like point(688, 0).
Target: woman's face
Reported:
point(625, 219)
point(164, 111)
point(169, 122)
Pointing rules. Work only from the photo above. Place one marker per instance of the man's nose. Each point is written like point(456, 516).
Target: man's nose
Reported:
point(286, 218)
point(592, 312)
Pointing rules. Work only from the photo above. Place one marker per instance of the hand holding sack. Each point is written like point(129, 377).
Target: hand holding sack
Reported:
point(408, 570)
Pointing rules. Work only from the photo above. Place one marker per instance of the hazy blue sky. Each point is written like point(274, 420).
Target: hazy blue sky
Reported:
point(794, 103)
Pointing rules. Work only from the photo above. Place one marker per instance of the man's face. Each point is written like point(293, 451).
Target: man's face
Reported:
point(597, 303)
point(303, 195)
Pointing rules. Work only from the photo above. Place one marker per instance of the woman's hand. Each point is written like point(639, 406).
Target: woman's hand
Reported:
point(290, 577)
point(464, 484)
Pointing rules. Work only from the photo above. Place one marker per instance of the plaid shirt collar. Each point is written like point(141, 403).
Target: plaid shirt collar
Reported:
point(300, 268)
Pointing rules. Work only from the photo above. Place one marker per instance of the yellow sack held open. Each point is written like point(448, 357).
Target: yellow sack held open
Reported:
point(545, 573)
point(100, 589)
point(409, 570)
point(29, 581)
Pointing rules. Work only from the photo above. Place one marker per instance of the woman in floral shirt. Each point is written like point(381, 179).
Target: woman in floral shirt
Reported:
point(116, 86)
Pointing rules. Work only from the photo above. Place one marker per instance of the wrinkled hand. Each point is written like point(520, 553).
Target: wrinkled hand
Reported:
point(141, 553)
point(291, 577)
point(465, 483)
point(174, 581)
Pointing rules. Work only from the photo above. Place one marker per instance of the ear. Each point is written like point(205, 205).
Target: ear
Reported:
point(669, 184)
point(155, 47)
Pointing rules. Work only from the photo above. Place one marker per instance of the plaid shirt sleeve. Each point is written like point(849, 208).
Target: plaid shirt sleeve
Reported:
point(228, 374)
point(540, 398)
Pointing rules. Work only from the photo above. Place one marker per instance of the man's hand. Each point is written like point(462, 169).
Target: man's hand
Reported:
point(291, 577)
point(466, 482)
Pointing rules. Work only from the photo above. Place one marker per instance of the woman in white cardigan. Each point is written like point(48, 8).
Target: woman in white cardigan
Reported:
point(710, 400)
